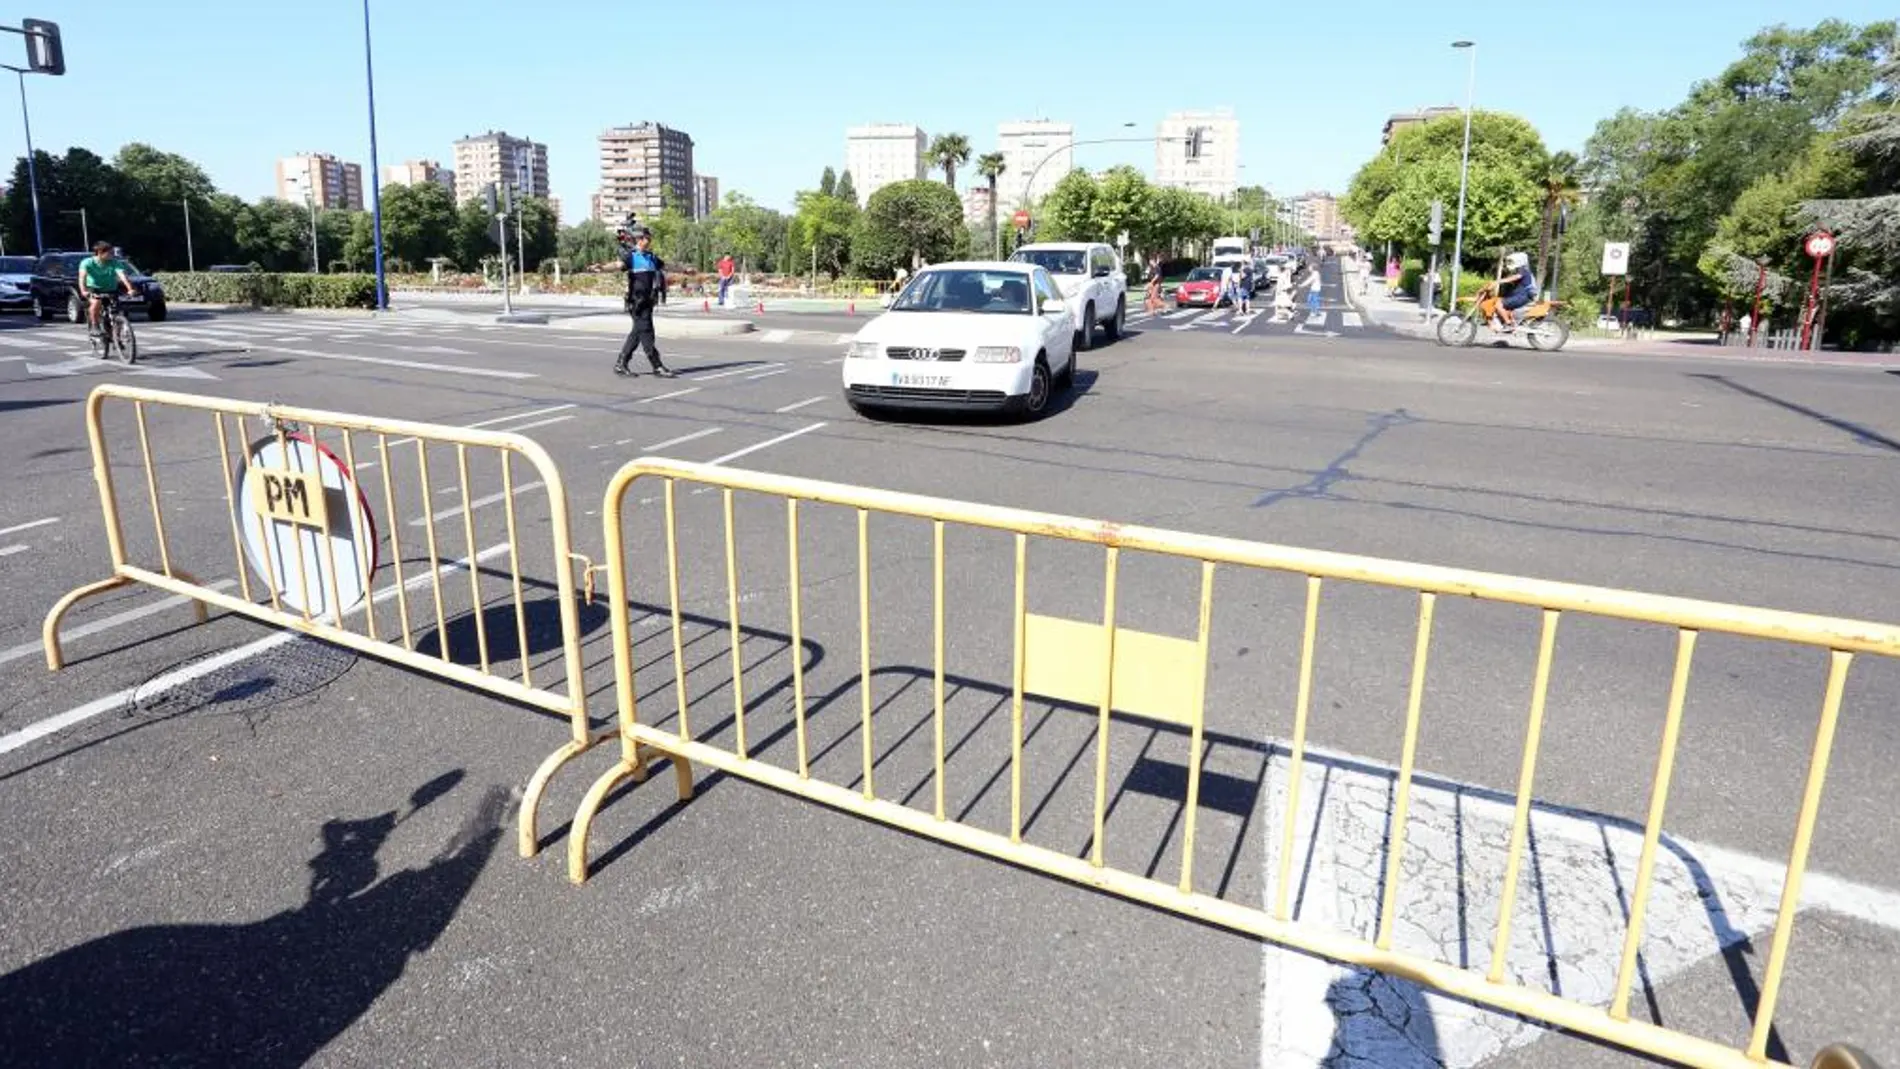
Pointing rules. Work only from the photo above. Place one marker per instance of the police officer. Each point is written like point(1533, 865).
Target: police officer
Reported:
point(646, 287)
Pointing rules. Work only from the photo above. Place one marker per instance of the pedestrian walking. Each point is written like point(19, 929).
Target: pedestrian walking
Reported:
point(725, 277)
point(1152, 305)
point(646, 287)
point(1246, 289)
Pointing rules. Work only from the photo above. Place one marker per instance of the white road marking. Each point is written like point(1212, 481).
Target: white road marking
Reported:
point(664, 396)
point(768, 374)
point(1243, 322)
point(519, 427)
point(511, 417)
point(847, 339)
point(1351, 319)
point(838, 360)
point(1182, 313)
point(480, 502)
point(151, 688)
point(12, 359)
point(107, 623)
point(734, 371)
point(1316, 319)
point(796, 405)
point(8, 551)
point(294, 337)
point(1573, 893)
point(786, 437)
point(670, 442)
point(416, 365)
point(775, 335)
point(25, 343)
point(29, 525)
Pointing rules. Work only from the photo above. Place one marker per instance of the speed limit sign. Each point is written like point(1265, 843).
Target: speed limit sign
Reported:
point(1820, 243)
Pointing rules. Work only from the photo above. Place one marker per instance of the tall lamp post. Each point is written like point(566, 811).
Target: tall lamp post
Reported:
point(375, 173)
point(1464, 174)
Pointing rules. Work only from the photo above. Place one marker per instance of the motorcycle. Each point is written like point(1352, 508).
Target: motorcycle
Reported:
point(1536, 322)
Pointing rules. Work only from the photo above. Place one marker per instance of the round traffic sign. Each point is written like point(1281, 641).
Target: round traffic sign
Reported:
point(1820, 243)
point(1021, 219)
point(272, 547)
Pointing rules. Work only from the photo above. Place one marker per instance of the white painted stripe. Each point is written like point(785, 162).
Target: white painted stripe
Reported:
point(734, 371)
point(664, 396)
point(25, 343)
point(28, 526)
point(1183, 313)
point(12, 359)
point(769, 442)
point(8, 551)
point(767, 374)
point(416, 365)
point(511, 417)
point(517, 428)
point(480, 502)
point(1243, 322)
point(107, 623)
point(1316, 319)
point(1351, 319)
point(847, 339)
point(294, 337)
point(838, 360)
point(151, 688)
point(775, 335)
point(796, 405)
point(670, 442)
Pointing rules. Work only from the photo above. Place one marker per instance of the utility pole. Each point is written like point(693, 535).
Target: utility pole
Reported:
point(316, 267)
point(191, 262)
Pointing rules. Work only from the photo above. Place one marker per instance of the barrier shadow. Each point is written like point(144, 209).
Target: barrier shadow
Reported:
point(272, 993)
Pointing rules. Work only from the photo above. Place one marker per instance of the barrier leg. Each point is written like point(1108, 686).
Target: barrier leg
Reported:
point(49, 632)
point(528, 826)
point(584, 819)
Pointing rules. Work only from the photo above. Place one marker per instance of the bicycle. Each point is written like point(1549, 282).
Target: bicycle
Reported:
point(115, 331)
point(1536, 322)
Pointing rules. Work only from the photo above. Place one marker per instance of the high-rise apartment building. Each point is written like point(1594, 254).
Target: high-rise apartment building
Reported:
point(642, 167)
point(706, 195)
point(1216, 171)
point(1411, 118)
point(1036, 156)
point(417, 173)
point(881, 153)
point(1317, 213)
point(496, 158)
point(321, 179)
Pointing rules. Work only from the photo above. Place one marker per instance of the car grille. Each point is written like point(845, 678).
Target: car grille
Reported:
point(901, 352)
point(924, 393)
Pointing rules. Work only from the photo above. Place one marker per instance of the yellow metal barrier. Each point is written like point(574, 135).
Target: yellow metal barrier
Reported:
point(289, 499)
point(1121, 671)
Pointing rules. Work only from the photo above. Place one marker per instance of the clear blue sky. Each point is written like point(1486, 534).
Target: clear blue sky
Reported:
point(766, 90)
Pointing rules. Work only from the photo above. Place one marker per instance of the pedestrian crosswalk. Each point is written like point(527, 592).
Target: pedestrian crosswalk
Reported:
point(1261, 319)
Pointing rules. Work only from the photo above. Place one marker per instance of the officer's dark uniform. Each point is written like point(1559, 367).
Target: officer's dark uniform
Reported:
point(646, 286)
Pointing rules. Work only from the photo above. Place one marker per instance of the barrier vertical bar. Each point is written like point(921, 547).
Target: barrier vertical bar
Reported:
point(1016, 698)
point(271, 566)
point(673, 598)
point(476, 608)
point(864, 643)
point(1195, 730)
point(1838, 660)
point(1408, 753)
point(360, 542)
point(435, 558)
point(295, 459)
point(102, 478)
point(732, 614)
point(230, 502)
point(1652, 826)
point(514, 564)
point(1297, 766)
point(329, 544)
point(798, 636)
point(936, 564)
point(395, 539)
point(1108, 703)
point(1527, 773)
point(151, 487)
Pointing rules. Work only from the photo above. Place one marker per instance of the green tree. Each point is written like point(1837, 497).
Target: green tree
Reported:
point(1864, 213)
point(420, 221)
point(275, 235)
point(1120, 204)
point(739, 228)
point(1561, 189)
point(949, 151)
point(472, 242)
point(828, 184)
point(1390, 197)
point(586, 244)
point(823, 224)
point(907, 224)
point(360, 247)
point(846, 191)
point(540, 231)
point(991, 166)
point(1067, 213)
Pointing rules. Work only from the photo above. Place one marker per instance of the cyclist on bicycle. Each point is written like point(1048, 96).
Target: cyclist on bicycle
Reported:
point(100, 274)
point(1518, 288)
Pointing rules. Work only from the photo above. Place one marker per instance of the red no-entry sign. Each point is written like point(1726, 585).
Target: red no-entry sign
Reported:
point(1820, 243)
point(1021, 220)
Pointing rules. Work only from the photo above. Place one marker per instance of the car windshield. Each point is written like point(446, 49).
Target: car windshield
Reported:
point(16, 265)
point(966, 290)
point(1055, 261)
point(1204, 274)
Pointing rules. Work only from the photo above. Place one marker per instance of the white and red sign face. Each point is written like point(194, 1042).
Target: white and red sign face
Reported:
point(273, 547)
point(1820, 243)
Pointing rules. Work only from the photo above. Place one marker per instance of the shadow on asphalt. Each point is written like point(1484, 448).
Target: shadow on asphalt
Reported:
point(272, 993)
point(1861, 434)
point(15, 405)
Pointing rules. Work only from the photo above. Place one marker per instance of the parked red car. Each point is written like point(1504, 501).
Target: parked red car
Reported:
point(1200, 290)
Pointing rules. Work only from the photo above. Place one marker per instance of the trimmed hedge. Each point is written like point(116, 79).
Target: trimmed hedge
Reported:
point(264, 290)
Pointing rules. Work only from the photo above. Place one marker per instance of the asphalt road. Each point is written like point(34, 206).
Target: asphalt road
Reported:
point(299, 856)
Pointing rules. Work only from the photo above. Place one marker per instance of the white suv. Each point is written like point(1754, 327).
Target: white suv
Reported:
point(1091, 279)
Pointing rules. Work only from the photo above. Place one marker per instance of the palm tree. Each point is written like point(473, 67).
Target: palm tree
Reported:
point(950, 151)
point(1561, 184)
point(991, 166)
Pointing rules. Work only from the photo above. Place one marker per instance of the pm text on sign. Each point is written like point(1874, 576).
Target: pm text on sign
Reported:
point(288, 497)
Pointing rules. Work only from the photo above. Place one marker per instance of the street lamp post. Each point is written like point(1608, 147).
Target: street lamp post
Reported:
point(1464, 173)
point(191, 262)
point(32, 175)
point(375, 173)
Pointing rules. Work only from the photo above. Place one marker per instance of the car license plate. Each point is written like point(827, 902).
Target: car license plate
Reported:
point(928, 381)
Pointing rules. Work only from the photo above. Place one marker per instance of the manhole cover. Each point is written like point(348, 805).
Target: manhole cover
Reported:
point(279, 674)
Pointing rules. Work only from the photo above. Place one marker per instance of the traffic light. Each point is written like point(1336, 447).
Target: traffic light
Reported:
point(43, 52)
point(507, 199)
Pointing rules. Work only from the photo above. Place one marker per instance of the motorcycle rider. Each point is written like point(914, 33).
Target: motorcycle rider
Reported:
point(1517, 288)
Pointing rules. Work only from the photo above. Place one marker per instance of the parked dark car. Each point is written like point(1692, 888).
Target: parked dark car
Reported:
point(16, 282)
point(55, 289)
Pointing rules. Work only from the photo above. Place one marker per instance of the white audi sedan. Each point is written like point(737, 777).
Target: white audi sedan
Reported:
point(979, 335)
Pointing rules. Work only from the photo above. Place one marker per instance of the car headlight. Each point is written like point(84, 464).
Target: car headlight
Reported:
point(861, 350)
point(999, 354)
